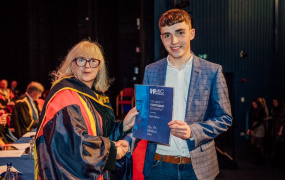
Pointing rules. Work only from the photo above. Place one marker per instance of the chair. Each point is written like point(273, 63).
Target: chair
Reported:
point(125, 97)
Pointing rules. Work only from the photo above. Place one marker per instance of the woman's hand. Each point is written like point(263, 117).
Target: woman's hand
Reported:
point(122, 148)
point(129, 120)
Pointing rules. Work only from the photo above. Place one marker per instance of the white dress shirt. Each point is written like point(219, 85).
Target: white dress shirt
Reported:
point(179, 80)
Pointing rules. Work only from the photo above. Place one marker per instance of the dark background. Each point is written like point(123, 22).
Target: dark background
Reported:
point(37, 34)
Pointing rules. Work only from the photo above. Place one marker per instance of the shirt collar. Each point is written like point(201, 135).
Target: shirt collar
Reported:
point(187, 64)
point(29, 97)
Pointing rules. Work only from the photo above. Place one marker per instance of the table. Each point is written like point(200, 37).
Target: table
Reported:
point(23, 164)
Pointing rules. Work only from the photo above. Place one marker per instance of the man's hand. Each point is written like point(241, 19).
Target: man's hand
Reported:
point(129, 120)
point(122, 148)
point(180, 129)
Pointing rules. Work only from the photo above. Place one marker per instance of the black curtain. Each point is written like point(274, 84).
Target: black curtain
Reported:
point(35, 36)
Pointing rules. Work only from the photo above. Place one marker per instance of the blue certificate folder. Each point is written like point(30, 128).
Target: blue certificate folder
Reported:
point(155, 112)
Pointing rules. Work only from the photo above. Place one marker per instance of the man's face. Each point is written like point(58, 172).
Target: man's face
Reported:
point(35, 95)
point(176, 40)
point(3, 84)
point(13, 84)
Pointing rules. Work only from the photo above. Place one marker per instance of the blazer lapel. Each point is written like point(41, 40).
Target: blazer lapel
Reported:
point(195, 76)
point(162, 73)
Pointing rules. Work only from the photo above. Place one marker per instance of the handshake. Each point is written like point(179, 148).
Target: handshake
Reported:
point(129, 121)
point(122, 148)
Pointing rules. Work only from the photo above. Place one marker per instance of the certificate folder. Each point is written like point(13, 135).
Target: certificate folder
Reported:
point(155, 112)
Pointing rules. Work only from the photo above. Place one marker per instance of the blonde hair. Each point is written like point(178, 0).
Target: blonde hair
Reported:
point(262, 101)
point(84, 49)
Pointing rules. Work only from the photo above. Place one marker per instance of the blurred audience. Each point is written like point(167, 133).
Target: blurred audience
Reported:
point(264, 106)
point(26, 113)
point(278, 133)
point(3, 125)
point(266, 140)
point(15, 90)
point(256, 129)
point(6, 95)
point(274, 115)
point(41, 100)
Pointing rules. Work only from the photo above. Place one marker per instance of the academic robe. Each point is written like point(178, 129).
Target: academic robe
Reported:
point(4, 99)
point(73, 140)
point(25, 117)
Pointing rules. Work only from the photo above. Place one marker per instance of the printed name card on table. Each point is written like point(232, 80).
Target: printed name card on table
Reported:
point(155, 104)
point(29, 134)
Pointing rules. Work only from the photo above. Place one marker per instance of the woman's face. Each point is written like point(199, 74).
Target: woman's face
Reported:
point(275, 103)
point(86, 74)
point(254, 105)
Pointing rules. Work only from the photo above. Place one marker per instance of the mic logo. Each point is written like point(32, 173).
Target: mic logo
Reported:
point(157, 91)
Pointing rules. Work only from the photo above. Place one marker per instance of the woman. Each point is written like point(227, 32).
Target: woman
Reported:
point(256, 129)
point(266, 138)
point(276, 113)
point(278, 130)
point(74, 140)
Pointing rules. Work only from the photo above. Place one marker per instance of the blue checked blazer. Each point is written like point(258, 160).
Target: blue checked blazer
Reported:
point(208, 113)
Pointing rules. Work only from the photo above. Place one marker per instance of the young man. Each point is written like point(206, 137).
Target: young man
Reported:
point(201, 108)
point(25, 115)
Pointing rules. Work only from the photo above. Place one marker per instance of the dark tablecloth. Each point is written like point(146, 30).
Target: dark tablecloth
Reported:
point(24, 164)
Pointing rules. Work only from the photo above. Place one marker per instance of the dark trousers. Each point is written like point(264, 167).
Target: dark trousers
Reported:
point(162, 170)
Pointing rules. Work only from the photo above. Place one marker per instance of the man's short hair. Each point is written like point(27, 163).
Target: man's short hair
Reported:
point(35, 86)
point(174, 16)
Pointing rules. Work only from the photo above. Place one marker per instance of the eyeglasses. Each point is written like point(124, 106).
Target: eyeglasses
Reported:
point(81, 62)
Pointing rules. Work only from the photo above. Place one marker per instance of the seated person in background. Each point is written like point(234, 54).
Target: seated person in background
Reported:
point(15, 90)
point(26, 113)
point(3, 123)
point(6, 95)
point(41, 100)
